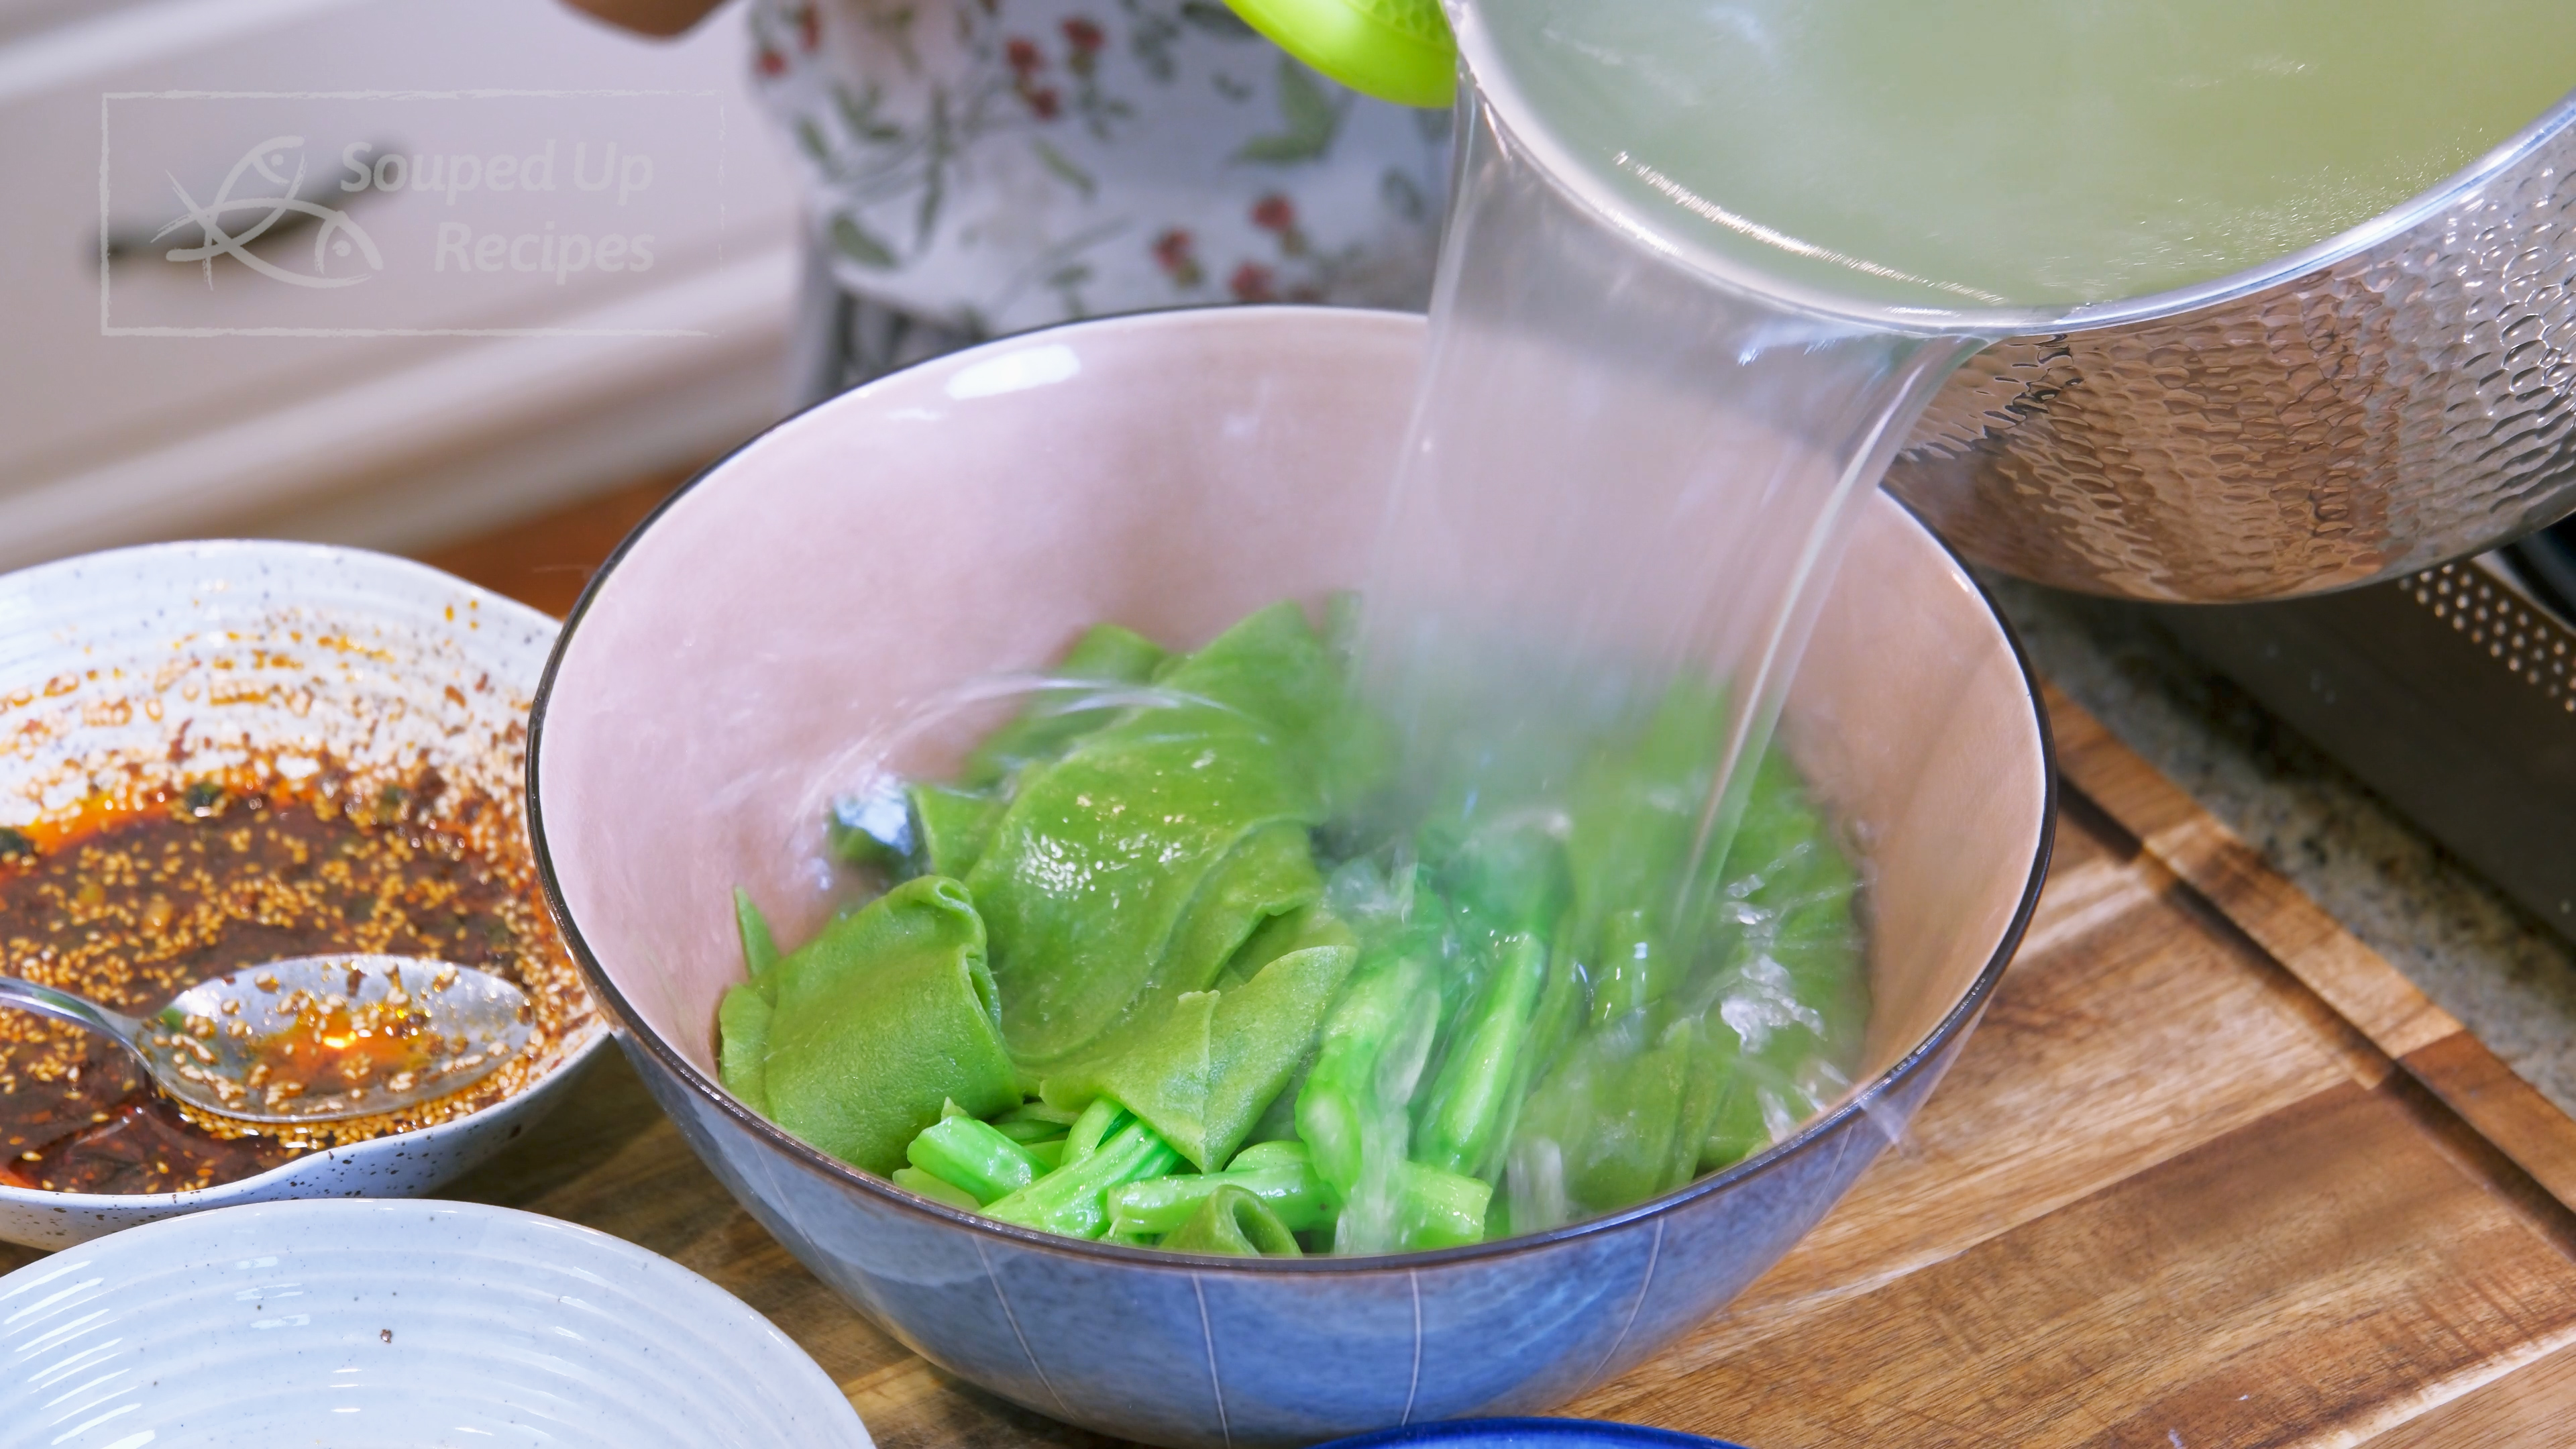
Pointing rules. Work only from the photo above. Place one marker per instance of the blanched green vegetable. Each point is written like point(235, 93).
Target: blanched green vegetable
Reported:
point(1351, 1110)
point(928, 829)
point(1270, 874)
point(742, 1017)
point(1458, 1122)
point(759, 947)
point(1635, 968)
point(742, 1021)
point(972, 1155)
point(935, 1189)
point(1435, 1209)
point(949, 828)
point(1620, 1121)
point(1284, 1179)
point(1280, 1153)
point(1257, 906)
point(872, 1025)
point(1794, 892)
point(1481, 1012)
point(1092, 1126)
point(1041, 1115)
point(1634, 824)
point(1233, 1221)
point(1073, 1199)
point(1509, 874)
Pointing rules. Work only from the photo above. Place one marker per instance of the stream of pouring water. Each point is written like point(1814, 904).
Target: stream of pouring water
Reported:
point(1620, 470)
point(1616, 474)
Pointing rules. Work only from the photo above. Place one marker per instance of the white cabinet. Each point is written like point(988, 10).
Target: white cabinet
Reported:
point(597, 283)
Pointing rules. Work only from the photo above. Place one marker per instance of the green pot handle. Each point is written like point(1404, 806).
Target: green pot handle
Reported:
point(1395, 50)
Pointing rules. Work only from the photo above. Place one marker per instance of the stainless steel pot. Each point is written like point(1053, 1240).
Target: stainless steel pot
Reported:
point(2392, 399)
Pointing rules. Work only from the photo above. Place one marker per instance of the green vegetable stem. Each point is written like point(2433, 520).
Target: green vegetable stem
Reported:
point(1467, 1103)
point(1285, 1181)
point(1621, 1120)
point(971, 1155)
point(935, 1189)
point(1635, 833)
point(1436, 1209)
point(1635, 968)
point(1039, 1114)
point(1234, 1221)
point(1073, 1199)
point(1025, 1131)
point(759, 947)
point(742, 1017)
point(1352, 1110)
point(1389, 999)
point(1094, 1124)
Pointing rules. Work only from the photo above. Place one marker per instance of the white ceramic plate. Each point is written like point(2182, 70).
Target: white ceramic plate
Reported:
point(372, 1325)
point(372, 657)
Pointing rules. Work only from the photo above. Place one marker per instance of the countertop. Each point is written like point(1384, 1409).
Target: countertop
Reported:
point(2482, 958)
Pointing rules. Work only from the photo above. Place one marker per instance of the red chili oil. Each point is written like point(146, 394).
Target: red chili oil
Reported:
point(137, 900)
point(330, 1044)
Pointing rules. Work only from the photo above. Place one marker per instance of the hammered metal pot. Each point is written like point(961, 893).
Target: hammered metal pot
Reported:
point(2393, 399)
point(2387, 400)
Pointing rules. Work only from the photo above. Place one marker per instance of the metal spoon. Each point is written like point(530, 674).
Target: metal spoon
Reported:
point(315, 1038)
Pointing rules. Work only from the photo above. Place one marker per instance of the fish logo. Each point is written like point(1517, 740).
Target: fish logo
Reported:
point(336, 236)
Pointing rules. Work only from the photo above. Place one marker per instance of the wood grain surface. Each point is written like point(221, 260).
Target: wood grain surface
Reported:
point(2209, 1173)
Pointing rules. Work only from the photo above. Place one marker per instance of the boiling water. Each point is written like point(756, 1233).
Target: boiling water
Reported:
point(1621, 470)
point(1616, 472)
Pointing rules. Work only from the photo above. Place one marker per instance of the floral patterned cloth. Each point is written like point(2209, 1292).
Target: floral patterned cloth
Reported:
point(992, 165)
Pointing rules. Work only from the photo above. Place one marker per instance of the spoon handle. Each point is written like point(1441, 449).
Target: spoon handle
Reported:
point(63, 1006)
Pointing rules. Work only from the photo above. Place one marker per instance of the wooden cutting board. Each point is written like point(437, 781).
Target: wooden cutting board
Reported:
point(2210, 1173)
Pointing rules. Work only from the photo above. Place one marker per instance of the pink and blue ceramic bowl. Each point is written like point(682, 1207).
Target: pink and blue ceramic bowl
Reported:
point(1172, 472)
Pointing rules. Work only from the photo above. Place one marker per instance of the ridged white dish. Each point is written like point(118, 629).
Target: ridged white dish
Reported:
point(372, 1325)
point(284, 645)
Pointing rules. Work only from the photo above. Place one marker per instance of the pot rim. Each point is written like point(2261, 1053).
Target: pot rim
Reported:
point(1843, 1116)
point(1494, 94)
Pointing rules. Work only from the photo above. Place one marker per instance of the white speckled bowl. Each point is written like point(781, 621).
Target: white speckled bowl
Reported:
point(108, 654)
point(411, 1324)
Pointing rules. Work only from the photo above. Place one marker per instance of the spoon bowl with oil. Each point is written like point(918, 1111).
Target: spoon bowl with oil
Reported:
point(313, 1038)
